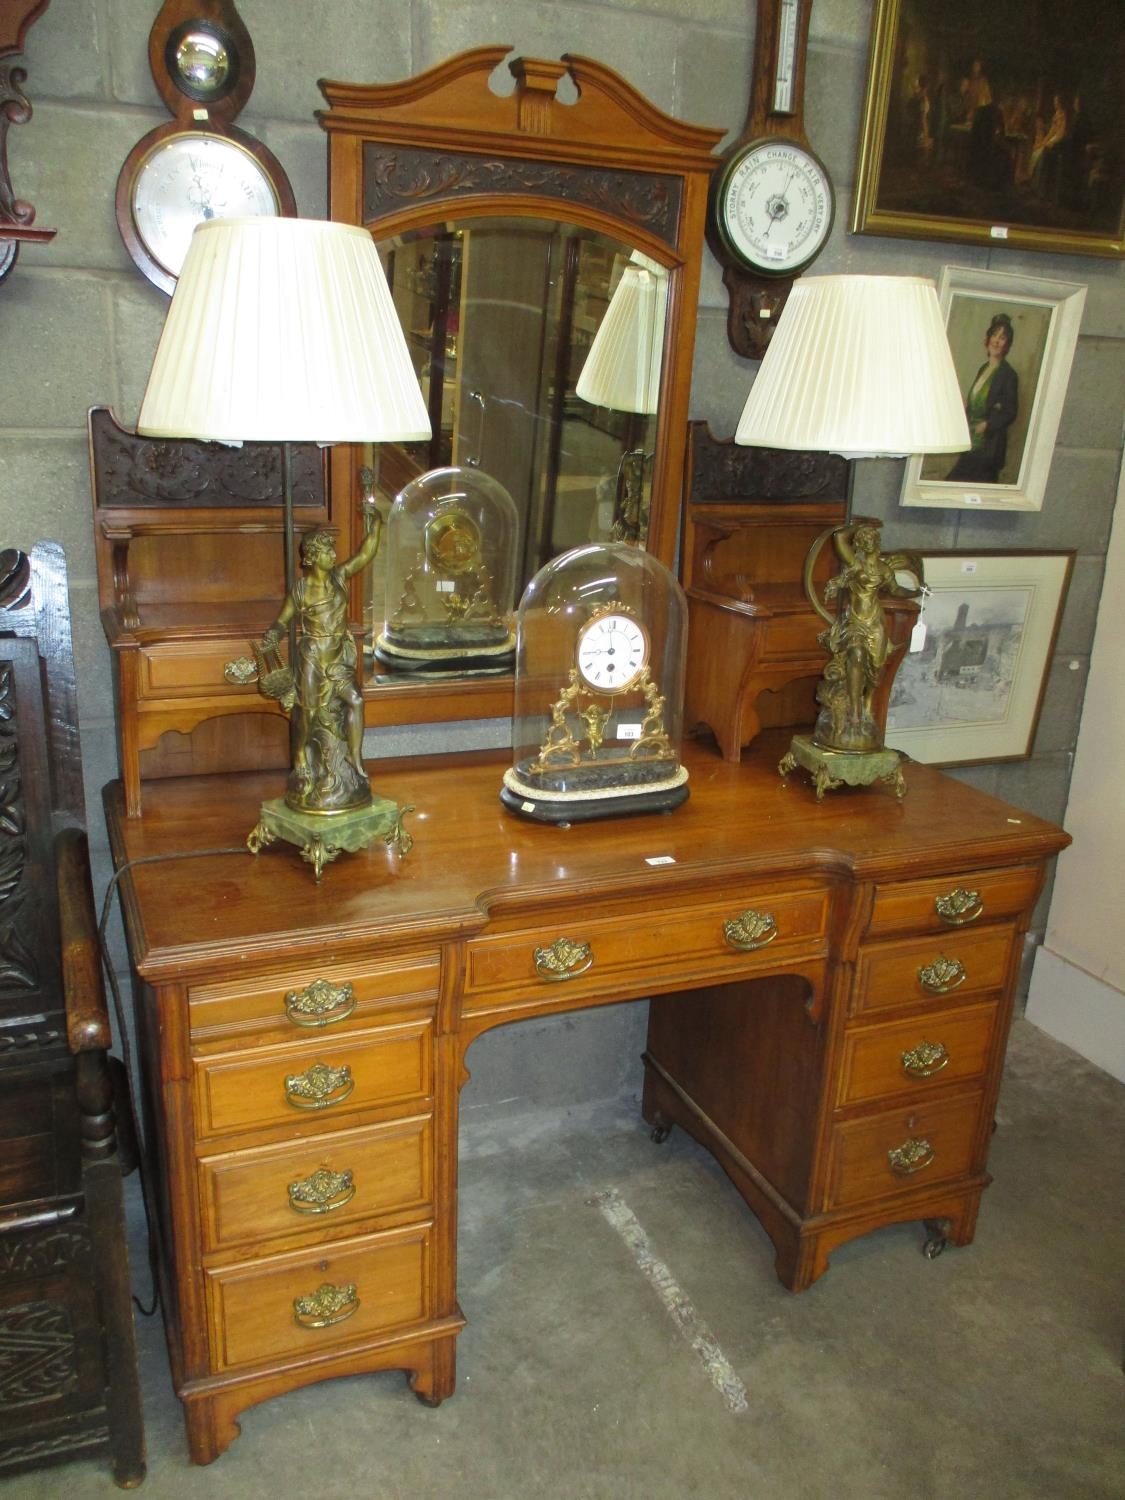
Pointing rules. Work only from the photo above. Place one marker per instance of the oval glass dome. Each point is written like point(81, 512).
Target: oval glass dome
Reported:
point(601, 637)
point(450, 571)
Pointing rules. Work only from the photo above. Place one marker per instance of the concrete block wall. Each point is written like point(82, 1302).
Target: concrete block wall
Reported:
point(79, 324)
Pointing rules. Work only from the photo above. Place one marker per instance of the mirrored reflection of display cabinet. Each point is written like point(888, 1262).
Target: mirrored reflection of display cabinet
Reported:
point(506, 218)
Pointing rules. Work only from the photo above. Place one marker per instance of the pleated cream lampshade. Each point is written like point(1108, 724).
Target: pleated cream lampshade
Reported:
point(282, 330)
point(861, 366)
point(622, 369)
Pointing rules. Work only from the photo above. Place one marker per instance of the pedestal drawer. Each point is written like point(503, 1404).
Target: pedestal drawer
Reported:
point(932, 971)
point(318, 1300)
point(952, 902)
point(901, 1149)
point(325, 998)
point(694, 940)
point(915, 1056)
point(321, 1188)
point(309, 1084)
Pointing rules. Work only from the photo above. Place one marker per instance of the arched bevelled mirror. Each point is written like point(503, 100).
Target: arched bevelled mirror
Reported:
point(543, 249)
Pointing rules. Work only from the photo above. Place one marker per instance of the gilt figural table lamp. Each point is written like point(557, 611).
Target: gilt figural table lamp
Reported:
point(283, 330)
point(860, 366)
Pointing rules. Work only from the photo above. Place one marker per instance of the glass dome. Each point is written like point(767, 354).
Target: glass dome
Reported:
point(450, 570)
point(600, 648)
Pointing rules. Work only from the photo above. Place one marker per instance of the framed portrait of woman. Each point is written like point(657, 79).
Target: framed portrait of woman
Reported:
point(1012, 339)
point(997, 124)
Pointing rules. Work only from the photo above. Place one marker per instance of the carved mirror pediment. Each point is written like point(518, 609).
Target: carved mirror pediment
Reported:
point(510, 224)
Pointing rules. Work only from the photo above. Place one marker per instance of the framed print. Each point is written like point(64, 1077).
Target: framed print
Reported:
point(973, 691)
point(1001, 123)
point(1012, 340)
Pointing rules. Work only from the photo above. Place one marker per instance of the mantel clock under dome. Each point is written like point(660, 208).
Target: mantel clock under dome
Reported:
point(450, 588)
point(600, 652)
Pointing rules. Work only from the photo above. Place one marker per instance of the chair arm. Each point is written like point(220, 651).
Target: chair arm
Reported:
point(87, 1018)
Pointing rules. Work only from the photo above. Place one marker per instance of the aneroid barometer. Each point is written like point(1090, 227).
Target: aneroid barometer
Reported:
point(772, 204)
point(600, 649)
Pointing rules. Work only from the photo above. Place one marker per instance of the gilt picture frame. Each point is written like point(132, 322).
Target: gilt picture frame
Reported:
point(973, 691)
point(1013, 340)
point(994, 124)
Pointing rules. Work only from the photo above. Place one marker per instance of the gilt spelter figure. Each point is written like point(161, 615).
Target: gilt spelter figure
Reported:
point(846, 746)
point(328, 804)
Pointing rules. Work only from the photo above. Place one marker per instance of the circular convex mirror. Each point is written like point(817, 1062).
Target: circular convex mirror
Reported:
point(201, 63)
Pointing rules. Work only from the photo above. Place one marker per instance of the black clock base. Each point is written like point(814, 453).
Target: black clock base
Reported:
point(563, 810)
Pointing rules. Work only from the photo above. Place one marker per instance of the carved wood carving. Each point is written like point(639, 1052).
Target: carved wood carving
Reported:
point(726, 473)
point(137, 471)
point(401, 177)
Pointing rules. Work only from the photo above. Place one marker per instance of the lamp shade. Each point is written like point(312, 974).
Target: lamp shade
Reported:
point(282, 330)
point(861, 366)
point(622, 369)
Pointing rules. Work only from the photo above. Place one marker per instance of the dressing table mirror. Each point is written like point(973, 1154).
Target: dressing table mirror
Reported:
point(508, 219)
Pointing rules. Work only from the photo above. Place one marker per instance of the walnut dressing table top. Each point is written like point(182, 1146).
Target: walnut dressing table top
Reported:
point(831, 983)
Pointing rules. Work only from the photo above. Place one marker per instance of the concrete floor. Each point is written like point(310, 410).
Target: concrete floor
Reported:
point(994, 1371)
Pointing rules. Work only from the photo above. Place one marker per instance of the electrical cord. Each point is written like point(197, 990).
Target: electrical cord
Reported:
point(127, 1051)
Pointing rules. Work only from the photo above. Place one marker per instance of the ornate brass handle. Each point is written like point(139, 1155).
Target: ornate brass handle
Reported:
point(322, 1192)
point(327, 1305)
point(959, 907)
point(320, 1003)
point(241, 671)
point(564, 959)
point(943, 975)
point(749, 930)
point(319, 1087)
point(914, 1155)
point(925, 1060)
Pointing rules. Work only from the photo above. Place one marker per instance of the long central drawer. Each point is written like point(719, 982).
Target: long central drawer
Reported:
point(689, 941)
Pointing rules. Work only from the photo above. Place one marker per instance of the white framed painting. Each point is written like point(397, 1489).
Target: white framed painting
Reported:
point(1012, 339)
point(971, 687)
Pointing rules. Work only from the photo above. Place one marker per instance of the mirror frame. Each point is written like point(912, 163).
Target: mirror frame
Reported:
point(443, 145)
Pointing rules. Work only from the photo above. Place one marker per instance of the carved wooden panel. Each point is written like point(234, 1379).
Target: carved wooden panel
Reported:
point(396, 177)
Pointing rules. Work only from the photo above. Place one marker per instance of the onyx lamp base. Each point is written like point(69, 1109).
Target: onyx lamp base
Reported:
point(834, 768)
point(321, 837)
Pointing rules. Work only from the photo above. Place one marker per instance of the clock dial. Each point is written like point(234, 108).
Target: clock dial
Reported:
point(774, 206)
point(612, 652)
point(189, 178)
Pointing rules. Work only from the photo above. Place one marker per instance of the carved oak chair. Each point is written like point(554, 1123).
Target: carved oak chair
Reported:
point(68, 1368)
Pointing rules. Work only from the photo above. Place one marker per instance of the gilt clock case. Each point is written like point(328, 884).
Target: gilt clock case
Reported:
point(601, 643)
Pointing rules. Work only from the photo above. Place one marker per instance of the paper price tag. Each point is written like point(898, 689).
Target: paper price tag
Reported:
point(918, 636)
point(628, 731)
point(661, 859)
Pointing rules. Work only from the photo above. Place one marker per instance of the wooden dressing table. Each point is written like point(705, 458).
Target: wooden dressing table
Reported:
point(833, 987)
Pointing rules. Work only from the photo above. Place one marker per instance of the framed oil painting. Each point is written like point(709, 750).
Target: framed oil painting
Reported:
point(974, 690)
point(1012, 340)
point(997, 123)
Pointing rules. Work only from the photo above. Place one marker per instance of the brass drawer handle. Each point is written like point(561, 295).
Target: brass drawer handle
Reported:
point(749, 930)
point(925, 1060)
point(241, 672)
point(943, 975)
point(320, 1003)
point(327, 1305)
point(960, 907)
point(322, 1192)
point(319, 1087)
point(914, 1155)
point(564, 959)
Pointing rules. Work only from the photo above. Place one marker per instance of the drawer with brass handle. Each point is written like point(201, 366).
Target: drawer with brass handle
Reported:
point(907, 1147)
point(314, 1080)
point(317, 1188)
point(694, 938)
point(953, 903)
point(958, 968)
point(906, 1057)
point(316, 1300)
point(312, 997)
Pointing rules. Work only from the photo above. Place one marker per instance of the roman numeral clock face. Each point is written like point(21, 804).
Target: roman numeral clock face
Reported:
point(611, 652)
